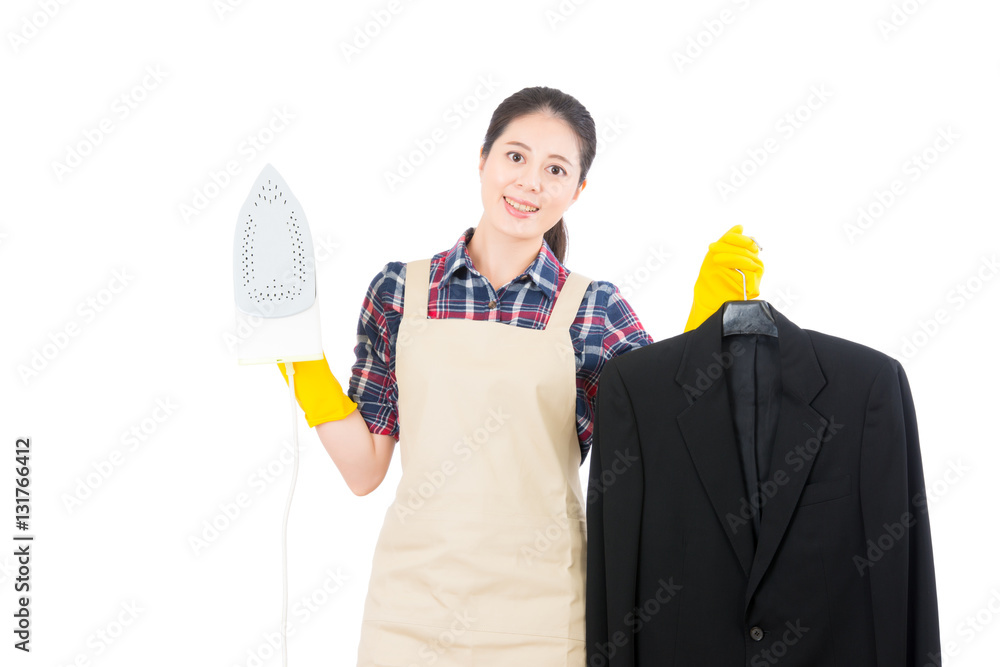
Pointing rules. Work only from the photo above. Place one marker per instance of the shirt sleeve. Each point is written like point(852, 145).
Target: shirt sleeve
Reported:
point(373, 376)
point(616, 330)
point(623, 331)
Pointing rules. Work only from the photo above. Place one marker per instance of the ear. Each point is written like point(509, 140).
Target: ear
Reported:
point(578, 191)
point(482, 162)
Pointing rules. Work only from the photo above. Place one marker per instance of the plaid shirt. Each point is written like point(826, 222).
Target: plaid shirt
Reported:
point(605, 326)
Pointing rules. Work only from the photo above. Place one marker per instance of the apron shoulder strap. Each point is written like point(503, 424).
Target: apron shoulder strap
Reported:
point(417, 284)
point(568, 301)
point(415, 288)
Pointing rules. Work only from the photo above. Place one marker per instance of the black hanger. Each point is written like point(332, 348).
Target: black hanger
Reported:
point(748, 317)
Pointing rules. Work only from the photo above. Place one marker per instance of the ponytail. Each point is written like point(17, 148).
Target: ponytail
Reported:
point(556, 238)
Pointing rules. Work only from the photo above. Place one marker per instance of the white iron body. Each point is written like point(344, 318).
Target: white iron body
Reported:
point(274, 276)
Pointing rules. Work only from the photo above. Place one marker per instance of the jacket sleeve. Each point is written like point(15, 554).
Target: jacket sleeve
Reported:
point(614, 501)
point(597, 594)
point(898, 558)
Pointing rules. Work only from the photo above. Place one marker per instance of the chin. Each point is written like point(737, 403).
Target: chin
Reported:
point(519, 229)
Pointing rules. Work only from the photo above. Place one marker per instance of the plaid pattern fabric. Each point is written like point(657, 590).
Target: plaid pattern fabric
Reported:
point(605, 326)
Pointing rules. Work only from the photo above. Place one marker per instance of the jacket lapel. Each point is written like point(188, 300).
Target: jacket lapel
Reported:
point(799, 437)
point(799, 432)
point(707, 428)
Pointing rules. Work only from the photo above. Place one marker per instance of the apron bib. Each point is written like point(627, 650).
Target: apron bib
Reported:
point(481, 560)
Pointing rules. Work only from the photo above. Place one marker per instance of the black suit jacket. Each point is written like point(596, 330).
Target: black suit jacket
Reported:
point(842, 574)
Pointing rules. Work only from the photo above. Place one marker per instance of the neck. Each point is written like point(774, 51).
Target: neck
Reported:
point(500, 257)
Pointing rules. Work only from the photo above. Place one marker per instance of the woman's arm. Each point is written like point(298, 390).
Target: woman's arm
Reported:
point(358, 433)
point(361, 457)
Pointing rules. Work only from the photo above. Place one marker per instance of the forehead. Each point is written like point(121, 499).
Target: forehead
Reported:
point(544, 134)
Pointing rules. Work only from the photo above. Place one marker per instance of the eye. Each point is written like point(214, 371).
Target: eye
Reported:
point(513, 153)
point(558, 169)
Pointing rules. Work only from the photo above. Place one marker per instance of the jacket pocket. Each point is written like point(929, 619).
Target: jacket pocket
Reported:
point(819, 492)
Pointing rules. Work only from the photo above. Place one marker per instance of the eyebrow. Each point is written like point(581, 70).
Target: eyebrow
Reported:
point(555, 155)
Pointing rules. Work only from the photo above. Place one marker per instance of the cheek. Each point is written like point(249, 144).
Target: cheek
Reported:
point(560, 191)
point(494, 181)
point(489, 184)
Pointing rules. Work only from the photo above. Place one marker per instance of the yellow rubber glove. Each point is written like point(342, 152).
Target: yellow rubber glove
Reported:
point(718, 282)
point(319, 394)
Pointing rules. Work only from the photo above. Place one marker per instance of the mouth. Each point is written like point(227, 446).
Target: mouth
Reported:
point(519, 206)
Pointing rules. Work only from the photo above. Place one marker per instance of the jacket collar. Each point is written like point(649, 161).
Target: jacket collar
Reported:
point(706, 357)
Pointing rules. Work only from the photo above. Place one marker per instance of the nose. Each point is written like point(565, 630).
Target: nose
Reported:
point(529, 179)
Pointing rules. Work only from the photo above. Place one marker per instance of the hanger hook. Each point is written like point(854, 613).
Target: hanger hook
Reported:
point(744, 284)
point(759, 248)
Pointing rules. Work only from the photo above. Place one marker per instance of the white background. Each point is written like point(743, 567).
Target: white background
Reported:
point(91, 193)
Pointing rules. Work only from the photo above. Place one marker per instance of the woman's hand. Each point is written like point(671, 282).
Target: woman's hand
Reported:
point(362, 457)
point(718, 282)
point(319, 394)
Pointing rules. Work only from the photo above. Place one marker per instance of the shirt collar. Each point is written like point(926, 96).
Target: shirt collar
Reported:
point(543, 271)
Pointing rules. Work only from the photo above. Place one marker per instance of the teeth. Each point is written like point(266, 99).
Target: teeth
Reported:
point(521, 207)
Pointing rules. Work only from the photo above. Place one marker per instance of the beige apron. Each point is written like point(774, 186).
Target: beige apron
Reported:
point(481, 561)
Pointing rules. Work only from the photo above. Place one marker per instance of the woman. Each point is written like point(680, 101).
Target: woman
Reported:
point(483, 361)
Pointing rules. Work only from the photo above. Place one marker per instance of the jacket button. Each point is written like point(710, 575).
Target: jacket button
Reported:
point(493, 304)
point(756, 633)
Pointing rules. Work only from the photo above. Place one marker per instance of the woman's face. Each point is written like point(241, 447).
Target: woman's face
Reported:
point(534, 164)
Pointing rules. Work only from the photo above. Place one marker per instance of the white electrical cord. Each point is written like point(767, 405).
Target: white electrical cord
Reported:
point(290, 371)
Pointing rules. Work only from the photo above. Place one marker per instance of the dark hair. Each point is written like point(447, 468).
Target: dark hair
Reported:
point(565, 107)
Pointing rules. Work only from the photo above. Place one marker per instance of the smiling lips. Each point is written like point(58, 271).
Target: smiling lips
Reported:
point(519, 206)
